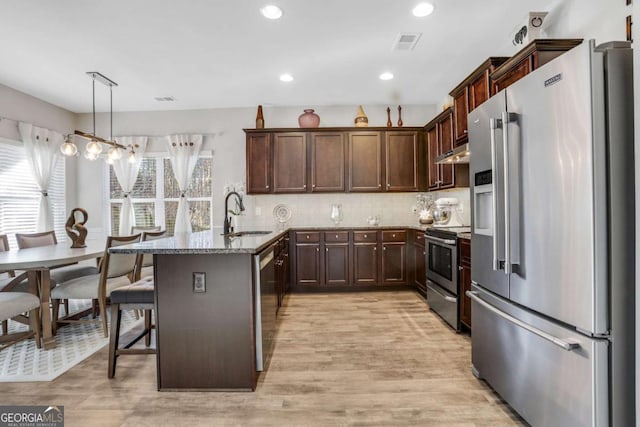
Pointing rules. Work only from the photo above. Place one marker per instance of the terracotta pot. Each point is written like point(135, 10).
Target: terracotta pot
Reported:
point(309, 119)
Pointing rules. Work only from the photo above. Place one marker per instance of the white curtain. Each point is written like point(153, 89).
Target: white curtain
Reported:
point(42, 147)
point(126, 174)
point(183, 153)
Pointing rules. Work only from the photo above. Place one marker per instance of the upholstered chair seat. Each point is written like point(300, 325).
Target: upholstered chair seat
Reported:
point(86, 287)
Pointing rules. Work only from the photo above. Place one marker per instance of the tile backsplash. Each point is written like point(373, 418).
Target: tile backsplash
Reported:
point(315, 209)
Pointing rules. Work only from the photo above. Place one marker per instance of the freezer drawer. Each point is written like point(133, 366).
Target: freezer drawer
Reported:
point(546, 383)
point(443, 303)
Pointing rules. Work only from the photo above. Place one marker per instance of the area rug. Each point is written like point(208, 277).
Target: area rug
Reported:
point(74, 343)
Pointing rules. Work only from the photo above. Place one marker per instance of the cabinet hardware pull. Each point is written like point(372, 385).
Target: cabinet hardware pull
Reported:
point(304, 186)
point(423, 253)
point(375, 249)
point(465, 131)
point(459, 268)
point(307, 237)
point(314, 186)
point(379, 185)
point(326, 249)
point(317, 249)
point(267, 186)
point(384, 248)
point(394, 235)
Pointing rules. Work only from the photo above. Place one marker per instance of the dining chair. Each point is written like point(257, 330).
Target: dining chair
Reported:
point(13, 304)
point(139, 228)
point(58, 274)
point(20, 284)
point(145, 261)
point(4, 246)
point(116, 271)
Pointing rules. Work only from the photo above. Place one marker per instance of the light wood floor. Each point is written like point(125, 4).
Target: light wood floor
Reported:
point(357, 359)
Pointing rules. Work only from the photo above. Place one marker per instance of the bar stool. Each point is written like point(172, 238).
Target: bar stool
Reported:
point(137, 296)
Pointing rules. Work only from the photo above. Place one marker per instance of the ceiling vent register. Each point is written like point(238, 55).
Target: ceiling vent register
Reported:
point(406, 41)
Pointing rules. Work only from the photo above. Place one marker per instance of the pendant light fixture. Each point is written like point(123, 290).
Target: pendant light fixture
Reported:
point(94, 147)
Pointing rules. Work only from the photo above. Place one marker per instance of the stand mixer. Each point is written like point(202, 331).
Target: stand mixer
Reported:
point(446, 213)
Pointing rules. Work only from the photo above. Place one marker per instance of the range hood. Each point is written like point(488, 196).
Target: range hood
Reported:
point(457, 155)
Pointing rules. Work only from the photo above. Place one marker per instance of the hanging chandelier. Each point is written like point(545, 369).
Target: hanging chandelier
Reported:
point(94, 146)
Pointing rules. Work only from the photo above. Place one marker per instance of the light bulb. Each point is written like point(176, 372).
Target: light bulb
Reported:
point(109, 160)
point(90, 156)
point(131, 157)
point(114, 153)
point(94, 147)
point(69, 148)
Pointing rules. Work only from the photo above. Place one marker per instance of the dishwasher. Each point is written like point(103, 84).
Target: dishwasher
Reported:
point(266, 305)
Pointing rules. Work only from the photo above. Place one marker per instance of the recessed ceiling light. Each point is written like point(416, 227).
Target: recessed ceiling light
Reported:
point(386, 76)
point(271, 12)
point(286, 77)
point(422, 9)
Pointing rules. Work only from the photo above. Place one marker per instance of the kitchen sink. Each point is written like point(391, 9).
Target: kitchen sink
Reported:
point(248, 233)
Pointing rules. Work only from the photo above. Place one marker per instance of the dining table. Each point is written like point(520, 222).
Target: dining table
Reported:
point(38, 262)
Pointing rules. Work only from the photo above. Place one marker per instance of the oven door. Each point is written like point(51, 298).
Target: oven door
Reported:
point(442, 262)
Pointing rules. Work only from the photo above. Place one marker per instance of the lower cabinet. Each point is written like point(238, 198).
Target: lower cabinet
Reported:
point(465, 281)
point(351, 257)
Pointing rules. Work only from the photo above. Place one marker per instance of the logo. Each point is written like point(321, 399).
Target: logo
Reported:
point(32, 416)
point(553, 80)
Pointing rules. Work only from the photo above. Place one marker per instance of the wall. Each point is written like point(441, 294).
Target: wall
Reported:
point(602, 20)
point(226, 140)
point(18, 106)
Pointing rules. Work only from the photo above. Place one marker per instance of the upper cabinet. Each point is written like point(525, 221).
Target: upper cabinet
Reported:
point(531, 57)
point(402, 155)
point(440, 136)
point(289, 162)
point(334, 160)
point(259, 157)
point(365, 161)
point(473, 91)
point(327, 161)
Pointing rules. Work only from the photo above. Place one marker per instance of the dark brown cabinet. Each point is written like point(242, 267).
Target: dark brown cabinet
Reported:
point(365, 161)
point(529, 58)
point(365, 257)
point(470, 93)
point(327, 161)
point(419, 262)
point(439, 133)
point(465, 281)
point(282, 268)
point(307, 261)
point(335, 160)
point(402, 154)
point(394, 257)
point(336, 257)
point(259, 157)
point(289, 162)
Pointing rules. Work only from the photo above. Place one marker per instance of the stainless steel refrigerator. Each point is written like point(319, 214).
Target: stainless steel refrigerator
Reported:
point(553, 240)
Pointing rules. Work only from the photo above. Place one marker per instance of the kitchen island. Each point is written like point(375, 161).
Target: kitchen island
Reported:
point(209, 316)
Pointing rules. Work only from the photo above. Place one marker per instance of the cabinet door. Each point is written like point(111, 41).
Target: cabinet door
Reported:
point(465, 281)
point(518, 72)
point(336, 263)
point(419, 262)
point(258, 163)
point(479, 89)
point(402, 152)
point(433, 173)
point(365, 161)
point(327, 162)
point(308, 264)
point(365, 263)
point(394, 263)
point(445, 137)
point(289, 162)
point(461, 109)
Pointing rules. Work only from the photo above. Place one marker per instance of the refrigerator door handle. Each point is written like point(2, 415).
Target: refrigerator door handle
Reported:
point(508, 259)
point(494, 124)
point(568, 346)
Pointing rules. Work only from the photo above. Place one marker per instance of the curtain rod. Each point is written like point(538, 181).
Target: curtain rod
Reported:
point(33, 124)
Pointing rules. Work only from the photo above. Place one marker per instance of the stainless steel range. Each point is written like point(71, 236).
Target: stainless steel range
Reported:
point(442, 272)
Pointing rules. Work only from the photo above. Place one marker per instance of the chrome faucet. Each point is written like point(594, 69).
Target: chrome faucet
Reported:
point(227, 220)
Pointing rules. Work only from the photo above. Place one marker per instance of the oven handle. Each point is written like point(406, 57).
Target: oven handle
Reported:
point(554, 340)
point(439, 240)
point(446, 297)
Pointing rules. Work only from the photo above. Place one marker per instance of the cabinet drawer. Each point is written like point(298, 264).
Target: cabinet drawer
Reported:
point(419, 238)
point(365, 236)
point(307, 236)
point(394, 236)
point(336, 236)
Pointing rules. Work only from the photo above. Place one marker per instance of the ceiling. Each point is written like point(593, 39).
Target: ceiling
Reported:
point(220, 54)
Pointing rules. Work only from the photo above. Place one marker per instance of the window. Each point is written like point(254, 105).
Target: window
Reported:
point(155, 195)
point(20, 195)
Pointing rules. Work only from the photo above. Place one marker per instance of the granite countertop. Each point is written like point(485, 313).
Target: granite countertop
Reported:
point(213, 242)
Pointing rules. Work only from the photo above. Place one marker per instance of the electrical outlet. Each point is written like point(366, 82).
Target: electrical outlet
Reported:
point(414, 209)
point(199, 283)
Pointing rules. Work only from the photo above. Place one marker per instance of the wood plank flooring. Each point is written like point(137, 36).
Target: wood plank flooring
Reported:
point(355, 359)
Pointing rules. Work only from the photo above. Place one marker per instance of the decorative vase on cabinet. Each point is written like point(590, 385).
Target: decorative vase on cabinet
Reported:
point(336, 214)
point(309, 119)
